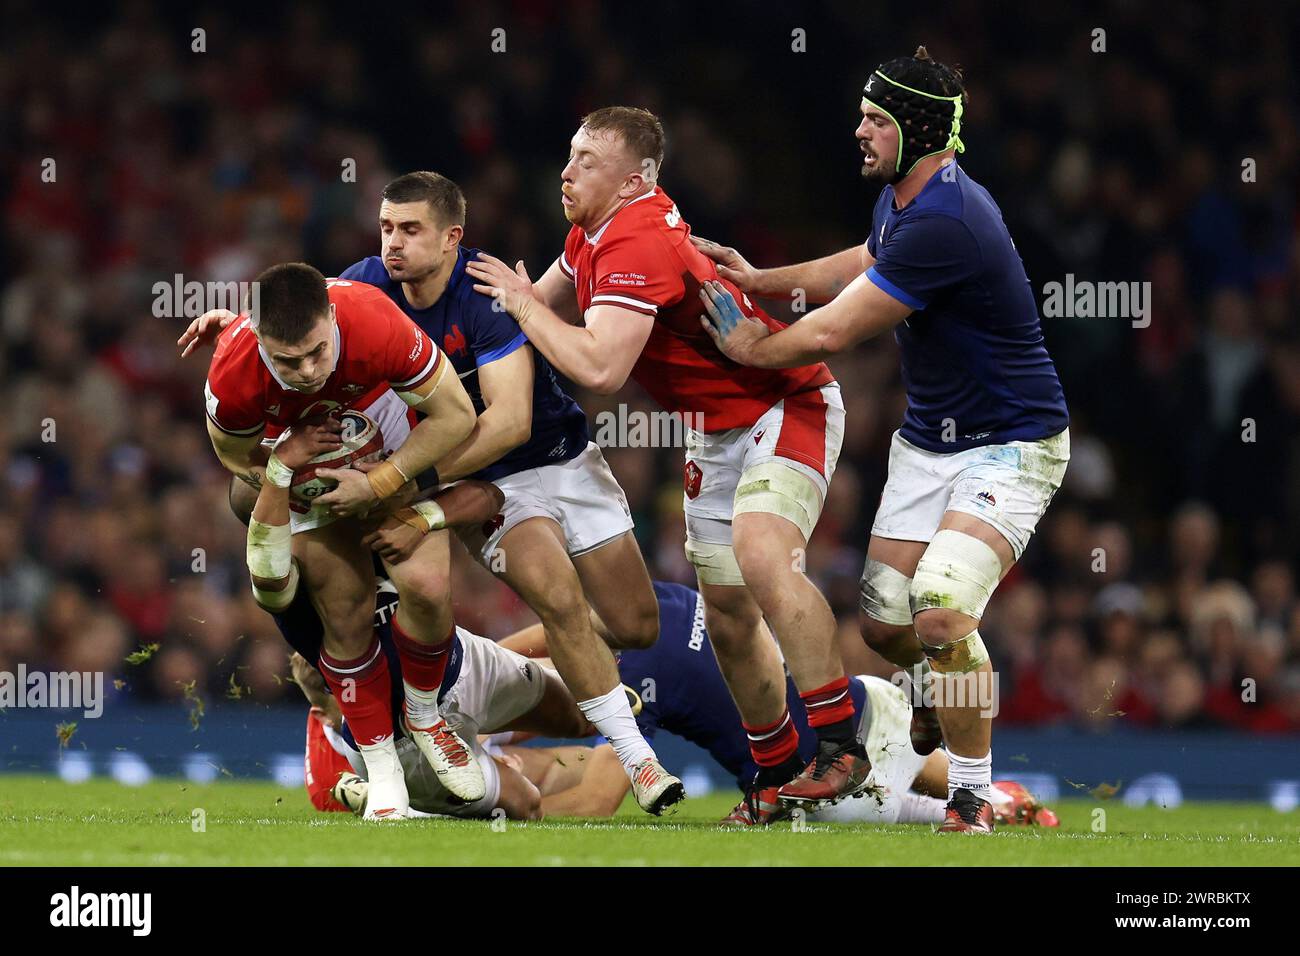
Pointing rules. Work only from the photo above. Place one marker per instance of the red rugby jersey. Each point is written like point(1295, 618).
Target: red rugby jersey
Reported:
point(376, 346)
point(642, 259)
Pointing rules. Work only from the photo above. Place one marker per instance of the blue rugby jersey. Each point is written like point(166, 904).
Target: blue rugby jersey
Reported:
point(973, 349)
point(473, 334)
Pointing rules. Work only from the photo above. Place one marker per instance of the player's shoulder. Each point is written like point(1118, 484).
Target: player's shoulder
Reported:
point(945, 196)
point(369, 270)
point(472, 303)
point(362, 306)
point(235, 352)
point(650, 218)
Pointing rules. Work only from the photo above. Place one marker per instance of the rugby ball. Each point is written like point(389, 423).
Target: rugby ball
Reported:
point(362, 440)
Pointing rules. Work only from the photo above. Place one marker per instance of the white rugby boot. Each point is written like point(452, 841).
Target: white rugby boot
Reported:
point(351, 791)
point(386, 797)
point(654, 787)
point(453, 762)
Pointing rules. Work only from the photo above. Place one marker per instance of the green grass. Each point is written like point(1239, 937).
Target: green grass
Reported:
point(44, 821)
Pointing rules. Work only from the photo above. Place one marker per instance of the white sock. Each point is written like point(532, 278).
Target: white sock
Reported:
point(421, 706)
point(612, 716)
point(972, 773)
point(918, 808)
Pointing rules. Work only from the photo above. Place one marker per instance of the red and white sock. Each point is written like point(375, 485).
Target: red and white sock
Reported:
point(423, 667)
point(363, 687)
point(773, 744)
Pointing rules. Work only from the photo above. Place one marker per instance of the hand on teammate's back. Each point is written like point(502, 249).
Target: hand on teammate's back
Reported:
point(732, 266)
point(204, 330)
point(734, 332)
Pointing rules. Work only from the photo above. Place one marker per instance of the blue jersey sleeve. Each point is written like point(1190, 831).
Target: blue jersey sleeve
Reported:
point(493, 335)
point(924, 256)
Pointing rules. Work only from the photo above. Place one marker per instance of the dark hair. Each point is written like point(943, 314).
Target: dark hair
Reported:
point(291, 298)
point(640, 129)
point(922, 72)
point(443, 196)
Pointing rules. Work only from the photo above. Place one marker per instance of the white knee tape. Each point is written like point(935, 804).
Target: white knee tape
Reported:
point(957, 572)
point(961, 656)
point(714, 563)
point(884, 594)
point(276, 601)
point(776, 488)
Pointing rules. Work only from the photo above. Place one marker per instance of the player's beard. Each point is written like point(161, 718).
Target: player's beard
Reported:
point(877, 172)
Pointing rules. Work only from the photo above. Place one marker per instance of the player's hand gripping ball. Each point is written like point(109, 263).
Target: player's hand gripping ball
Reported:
point(360, 439)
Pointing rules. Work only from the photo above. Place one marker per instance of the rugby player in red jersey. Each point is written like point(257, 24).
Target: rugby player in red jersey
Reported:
point(312, 348)
point(760, 452)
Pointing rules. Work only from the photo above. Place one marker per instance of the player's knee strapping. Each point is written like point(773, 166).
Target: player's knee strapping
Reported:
point(958, 572)
point(775, 488)
point(714, 563)
point(885, 594)
point(278, 600)
point(961, 656)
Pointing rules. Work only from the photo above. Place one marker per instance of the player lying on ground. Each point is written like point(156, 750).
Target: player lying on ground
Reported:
point(682, 693)
point(761, 448)
point(485, 688)
point(313, 348)
point(563, 541)
point(984, 442)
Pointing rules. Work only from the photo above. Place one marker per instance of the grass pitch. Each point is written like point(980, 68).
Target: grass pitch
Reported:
point(44, 821)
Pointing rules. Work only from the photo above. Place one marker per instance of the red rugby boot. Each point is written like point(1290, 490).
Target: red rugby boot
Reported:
point(835, 773)
point(1025, 809)
point(967, 813)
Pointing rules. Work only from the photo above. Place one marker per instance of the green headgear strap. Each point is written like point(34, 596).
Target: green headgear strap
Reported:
point(926, 122)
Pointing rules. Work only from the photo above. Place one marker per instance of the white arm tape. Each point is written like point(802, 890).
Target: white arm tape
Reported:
point(270, 549)
point(431, 512)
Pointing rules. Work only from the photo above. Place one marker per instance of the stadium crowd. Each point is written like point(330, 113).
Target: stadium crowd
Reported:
point(1161, 589)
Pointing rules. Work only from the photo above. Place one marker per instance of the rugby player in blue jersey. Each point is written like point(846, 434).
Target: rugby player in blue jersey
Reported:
point(984, 442)
point(563, 540)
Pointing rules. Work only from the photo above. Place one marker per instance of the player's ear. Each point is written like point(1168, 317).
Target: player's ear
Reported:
point(452, 236)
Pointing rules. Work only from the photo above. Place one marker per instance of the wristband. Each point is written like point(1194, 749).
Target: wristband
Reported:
point(386, 479)
point(428, 479)
point(278, 473)
point(423, 516)
point(432, 512)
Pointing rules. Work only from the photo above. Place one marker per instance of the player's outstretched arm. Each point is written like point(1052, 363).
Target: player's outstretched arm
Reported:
point(464, 504)
point(820, 280)
point(598, 356)
point(507, 419)
point(859, 312)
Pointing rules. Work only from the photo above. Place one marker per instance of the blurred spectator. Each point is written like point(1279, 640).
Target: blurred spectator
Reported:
point(1160, 590)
